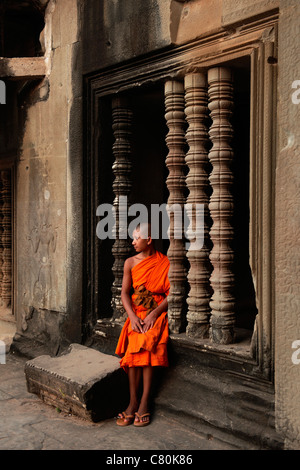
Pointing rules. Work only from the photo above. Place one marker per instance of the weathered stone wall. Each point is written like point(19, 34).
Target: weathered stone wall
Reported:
point(47, 192)
point(287, 229)
point(117, 30)
point(195, 19)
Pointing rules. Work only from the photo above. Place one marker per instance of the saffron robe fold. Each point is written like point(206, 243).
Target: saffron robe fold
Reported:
point(151, 285)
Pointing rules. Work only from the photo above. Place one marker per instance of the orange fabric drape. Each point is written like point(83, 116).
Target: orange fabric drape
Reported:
point(150, 348)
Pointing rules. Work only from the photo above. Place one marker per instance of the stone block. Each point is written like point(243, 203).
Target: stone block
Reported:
point(22, 67)
point(237, 11)
point(82, 381)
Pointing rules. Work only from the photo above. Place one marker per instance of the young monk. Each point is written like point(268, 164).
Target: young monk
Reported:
point(143, 339)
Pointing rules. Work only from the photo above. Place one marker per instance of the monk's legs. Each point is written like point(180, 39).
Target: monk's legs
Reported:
point(134, 377)
point(141, 406)
point(145, 399)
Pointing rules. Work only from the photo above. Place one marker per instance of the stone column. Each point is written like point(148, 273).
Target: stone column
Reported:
point(175, 118)
point(6, 239)
point(197, 182)
point(122, 124)
point(1, 245)
point(220, 94)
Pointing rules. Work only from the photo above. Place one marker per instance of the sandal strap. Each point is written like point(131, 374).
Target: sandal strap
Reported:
point(142, 416)
point(124, 415)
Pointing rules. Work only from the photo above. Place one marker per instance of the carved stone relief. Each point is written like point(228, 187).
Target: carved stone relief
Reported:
point(43, 241)
point(41, 269)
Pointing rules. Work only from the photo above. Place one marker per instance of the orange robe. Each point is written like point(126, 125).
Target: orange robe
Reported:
point(151, 285)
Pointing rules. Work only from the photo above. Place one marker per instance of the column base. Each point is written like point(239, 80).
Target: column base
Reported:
point(197, 330)
point(175, 325)
point(222, 335)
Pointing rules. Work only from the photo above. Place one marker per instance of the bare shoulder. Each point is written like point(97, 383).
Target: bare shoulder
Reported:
point(129, 262)
point(132, 261)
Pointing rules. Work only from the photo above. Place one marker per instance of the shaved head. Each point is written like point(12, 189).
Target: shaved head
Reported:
point(145, 229)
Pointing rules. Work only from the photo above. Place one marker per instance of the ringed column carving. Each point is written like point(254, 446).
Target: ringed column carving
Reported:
point(220, 92)
point(122, 129)
point(1, 246)
point(6, 239)
point(196, 111)
point(175, 161)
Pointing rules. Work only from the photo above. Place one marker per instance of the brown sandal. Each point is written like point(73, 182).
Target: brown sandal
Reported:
point(140, 422)
point(121, 419)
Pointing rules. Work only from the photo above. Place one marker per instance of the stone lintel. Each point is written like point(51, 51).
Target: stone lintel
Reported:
point(22, 67)
point(82, 381)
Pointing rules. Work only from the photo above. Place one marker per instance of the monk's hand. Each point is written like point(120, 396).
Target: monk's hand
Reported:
point(149, 321)
point(136, 324)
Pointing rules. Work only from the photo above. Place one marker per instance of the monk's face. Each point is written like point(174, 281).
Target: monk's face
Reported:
point(140, 241)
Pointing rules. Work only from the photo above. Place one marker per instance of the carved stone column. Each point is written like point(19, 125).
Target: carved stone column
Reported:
point(122, 124)
point(1, 246)
point(175, 118)
point(6, 238)
point(196, 111)
point(220, 94)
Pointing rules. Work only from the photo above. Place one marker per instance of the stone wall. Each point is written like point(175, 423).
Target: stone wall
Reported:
point(287, 230)
point(115, 31)
point(47, 191)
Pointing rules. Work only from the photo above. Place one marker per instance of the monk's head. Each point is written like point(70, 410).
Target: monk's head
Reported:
point(142, 237)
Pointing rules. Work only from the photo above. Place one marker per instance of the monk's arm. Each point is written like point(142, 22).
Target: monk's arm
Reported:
point(126, 300)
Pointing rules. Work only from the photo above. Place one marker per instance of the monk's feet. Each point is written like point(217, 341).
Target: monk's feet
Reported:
point(142, 419)
point(126, 417)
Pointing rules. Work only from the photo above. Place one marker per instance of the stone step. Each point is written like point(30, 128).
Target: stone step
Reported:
point(82, 381)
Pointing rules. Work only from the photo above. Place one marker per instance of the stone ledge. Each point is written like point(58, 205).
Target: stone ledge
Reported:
point(22, 67)
point(82, 381)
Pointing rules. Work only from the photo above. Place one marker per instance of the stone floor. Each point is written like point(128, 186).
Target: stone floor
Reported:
point(27, 423)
